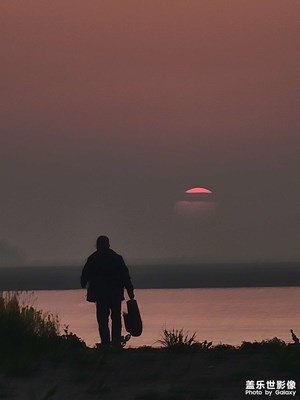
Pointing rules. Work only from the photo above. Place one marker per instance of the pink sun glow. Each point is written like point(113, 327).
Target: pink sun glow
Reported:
point(198, 190)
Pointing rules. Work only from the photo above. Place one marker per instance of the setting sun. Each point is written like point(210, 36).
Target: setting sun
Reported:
point(198, 190)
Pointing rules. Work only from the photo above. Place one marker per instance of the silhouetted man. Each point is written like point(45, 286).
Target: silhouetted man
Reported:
point(107, 275)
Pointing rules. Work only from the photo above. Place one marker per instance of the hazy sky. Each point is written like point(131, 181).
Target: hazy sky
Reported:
point(110, 110)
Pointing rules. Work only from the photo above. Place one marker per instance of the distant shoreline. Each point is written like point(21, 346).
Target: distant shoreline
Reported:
point(281, 274)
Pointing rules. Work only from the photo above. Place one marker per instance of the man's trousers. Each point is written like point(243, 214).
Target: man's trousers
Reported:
point(106, 308)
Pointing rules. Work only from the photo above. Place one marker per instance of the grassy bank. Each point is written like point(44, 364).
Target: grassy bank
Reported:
point(40, 360)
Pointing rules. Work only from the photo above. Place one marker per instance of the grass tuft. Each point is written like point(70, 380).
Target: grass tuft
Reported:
point(20, 322)
point(179, 340)
point(26, 334)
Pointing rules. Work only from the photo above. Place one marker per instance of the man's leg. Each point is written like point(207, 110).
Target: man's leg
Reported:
point(102, 312)
point(116, 321)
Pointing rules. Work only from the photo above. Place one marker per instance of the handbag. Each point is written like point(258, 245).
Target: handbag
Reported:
point(132, 319)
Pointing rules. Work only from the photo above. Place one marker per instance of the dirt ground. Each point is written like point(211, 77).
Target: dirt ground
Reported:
point(150, 374)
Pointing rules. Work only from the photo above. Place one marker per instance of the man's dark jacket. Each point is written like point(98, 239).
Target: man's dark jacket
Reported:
point(107, 275)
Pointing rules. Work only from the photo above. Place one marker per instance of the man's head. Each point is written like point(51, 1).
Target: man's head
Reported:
point(102, 243)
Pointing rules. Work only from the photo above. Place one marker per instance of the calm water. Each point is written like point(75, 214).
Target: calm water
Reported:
point(219, 315)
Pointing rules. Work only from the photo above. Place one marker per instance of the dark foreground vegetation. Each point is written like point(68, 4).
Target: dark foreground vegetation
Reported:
point(40, 361)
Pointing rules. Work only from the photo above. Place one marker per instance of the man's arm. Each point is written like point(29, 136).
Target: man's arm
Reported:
point(85, 274)
point(126, 279)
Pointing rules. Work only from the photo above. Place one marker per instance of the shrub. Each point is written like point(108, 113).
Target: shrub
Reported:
point(274, 344)
point(295, 338)
point(71, 339)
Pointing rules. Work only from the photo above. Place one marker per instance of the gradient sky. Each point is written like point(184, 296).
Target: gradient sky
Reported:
point(110, 110)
